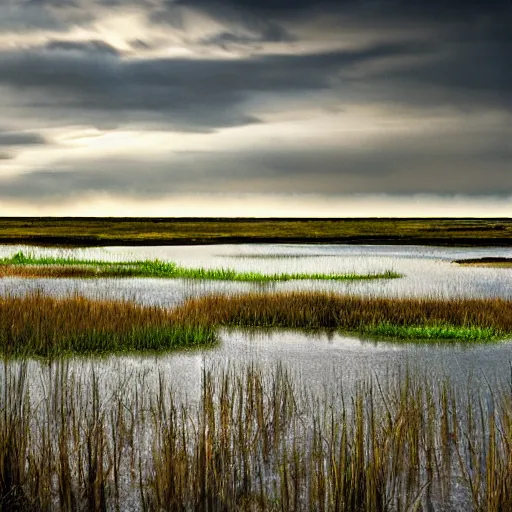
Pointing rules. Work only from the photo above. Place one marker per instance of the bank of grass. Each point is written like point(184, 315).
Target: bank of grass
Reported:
point(26, 265)
point(492, 262)
point(254, 441)
point(36, 325)
point(433, 332)
point(399, 318)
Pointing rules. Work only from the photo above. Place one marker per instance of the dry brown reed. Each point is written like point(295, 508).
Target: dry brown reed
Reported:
point(76, 314)
point(41, 325)
point(53, 271)
point(315, 310)
point(255, 442)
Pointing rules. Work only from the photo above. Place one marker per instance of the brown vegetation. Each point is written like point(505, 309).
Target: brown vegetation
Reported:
point(315, 310)
point(486, 262)
point(46, 326)
point(254, 442)
point(168, 231)
point(40, 325)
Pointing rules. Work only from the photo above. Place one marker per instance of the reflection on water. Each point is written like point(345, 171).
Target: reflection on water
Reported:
point(428, 272)
point(323, 361)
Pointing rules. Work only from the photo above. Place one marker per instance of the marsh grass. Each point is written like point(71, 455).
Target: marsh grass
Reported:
point(169, 231)
point(490, 262)
point(437, 332)
point(23, 265)
point(36, 325)
point(409, 318)
point(46, 326)
point(254, 441)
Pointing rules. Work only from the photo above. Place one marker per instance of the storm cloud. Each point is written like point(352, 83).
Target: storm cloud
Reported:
point(148, 98)
point(20, 139)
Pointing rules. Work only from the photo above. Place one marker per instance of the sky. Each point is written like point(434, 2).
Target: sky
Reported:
point(327, 108)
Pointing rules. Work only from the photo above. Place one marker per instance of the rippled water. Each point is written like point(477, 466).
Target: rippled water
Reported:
point(428, 271)
point(323, 362)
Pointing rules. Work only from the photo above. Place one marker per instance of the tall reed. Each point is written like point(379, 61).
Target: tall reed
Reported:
point(45, 326)
point(253, 441)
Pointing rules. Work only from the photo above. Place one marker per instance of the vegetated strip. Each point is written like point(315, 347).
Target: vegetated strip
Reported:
point(196, 231)
point(45, 326)
point(488, 261)
point(23, 265)
point(254, 441)
point(406, 318)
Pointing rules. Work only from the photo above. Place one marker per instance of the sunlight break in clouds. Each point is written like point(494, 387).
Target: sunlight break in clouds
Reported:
point(245, 108)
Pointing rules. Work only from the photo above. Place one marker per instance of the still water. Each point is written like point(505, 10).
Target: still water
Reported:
point(320, 358)
point(428, 271)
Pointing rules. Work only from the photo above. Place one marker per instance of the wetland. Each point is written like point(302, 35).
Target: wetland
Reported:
point(187, 393)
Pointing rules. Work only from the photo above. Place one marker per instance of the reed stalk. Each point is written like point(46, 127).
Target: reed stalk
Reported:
point(253, 441)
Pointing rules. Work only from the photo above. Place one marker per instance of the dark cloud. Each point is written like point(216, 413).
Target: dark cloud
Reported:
point(20, 17)
point(186, 93)
point(91, 81)
point(88, 47)
point(290, 7)
point(496, 14)
point(416, 56)
point(20, 138)
point(270, 33)
point(241, 26)
point(139, 44)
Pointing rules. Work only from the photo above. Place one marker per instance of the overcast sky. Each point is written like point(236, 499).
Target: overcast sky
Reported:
point(256, 107)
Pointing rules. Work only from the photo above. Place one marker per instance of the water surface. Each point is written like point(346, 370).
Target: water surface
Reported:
point(318, 358)
point(428, 271)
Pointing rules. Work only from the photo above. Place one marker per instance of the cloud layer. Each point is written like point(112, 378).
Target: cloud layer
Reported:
point(152, 98)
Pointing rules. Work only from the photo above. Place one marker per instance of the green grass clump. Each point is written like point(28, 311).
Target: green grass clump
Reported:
point(36, 325)
point(30, 266)
point(433, 332)
point(98, 342)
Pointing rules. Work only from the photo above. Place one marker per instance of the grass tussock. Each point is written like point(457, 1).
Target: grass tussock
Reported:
point(433, 332)
point(45, 326)
point(254, 442)
point(491, 262)
point(457, 319)
point(22, 265)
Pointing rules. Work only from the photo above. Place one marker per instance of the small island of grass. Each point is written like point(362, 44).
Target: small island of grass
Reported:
point(23, 265)
point(36, 325)
point(381, 317)
point(488, 261)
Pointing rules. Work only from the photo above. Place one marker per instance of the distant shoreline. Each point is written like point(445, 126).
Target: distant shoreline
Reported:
point(94, 242)
point(103, 232)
